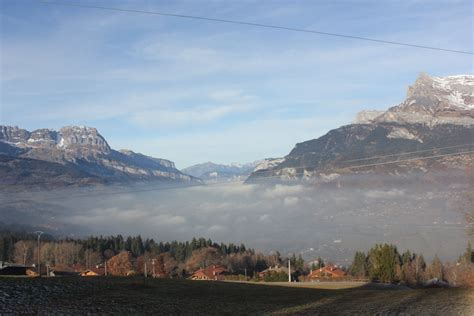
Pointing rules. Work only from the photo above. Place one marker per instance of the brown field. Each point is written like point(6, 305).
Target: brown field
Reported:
point(137, 296)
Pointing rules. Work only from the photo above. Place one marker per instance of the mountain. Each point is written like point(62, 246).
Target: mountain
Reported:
point(267, 163)
point(438, 112)
point(212, 172)
point(75, 155)
point(431, 101)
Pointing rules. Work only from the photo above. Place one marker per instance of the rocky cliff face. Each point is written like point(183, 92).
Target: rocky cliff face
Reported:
point(82, 139)
point(13, 134)
point(431, 101)
point(437, 113)
point(87, 152)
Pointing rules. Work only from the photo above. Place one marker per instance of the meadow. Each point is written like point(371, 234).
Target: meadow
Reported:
point(114, 295)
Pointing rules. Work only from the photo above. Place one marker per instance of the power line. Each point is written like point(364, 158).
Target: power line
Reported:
point(407, 153)
point(335, 168)
point(352, 160)
point(269, 26)
point(257, 179)
point(383, 163)
point(412, 159)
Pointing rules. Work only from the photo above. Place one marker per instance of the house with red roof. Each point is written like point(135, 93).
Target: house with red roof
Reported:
point(329, 271)
point(213, 272)
point(97, 271)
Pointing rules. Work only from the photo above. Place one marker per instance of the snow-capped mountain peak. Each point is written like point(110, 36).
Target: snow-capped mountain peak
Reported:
point(431, 101)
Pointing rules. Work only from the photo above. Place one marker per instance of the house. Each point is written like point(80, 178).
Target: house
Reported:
point(213, 272)
point(18, 270)
point(329, 271)
point(275, 269)
point(59, 273)
point(97, 271)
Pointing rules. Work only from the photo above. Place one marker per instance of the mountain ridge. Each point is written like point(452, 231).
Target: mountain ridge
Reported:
point(81, 150)
point(212, 172)
point(431, 101)
point(438, 112)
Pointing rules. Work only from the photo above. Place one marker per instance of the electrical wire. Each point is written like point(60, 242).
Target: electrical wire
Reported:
point(408, 153)
point(268, 26)
point(253, 180)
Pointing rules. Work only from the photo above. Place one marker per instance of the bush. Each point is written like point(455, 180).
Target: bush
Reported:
point(274, 276)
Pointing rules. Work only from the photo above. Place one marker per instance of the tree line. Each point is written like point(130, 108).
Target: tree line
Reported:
point(383, 262)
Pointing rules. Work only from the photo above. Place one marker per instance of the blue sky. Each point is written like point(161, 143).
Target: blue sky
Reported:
point(194, 91)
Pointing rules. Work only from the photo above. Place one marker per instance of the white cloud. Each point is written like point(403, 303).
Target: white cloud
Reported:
point(282, 191)
point(376, 194)
point(264, 218)
point(291, 200)
point(217, 229)
point(168, 220)
point(185, 83)
point(176, 117)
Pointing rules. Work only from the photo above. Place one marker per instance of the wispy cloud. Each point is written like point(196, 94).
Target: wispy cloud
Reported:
point(181, 79)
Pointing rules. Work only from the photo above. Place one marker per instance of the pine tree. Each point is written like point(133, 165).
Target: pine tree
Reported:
point(436, 269)
point(406, 257)
point(359, 265)
point(467, 255)
point(384, 263)
point(320, 263)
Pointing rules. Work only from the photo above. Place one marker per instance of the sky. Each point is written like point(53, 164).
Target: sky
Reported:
point(196, 91)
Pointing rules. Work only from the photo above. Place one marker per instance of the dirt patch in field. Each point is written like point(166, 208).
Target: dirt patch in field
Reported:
point(138, 296)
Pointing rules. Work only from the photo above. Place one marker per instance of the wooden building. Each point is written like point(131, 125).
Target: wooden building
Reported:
point(98, 271)
point(330, 272)
point(213, 272)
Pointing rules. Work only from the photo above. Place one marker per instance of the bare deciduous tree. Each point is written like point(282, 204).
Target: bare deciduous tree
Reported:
point(23, 252)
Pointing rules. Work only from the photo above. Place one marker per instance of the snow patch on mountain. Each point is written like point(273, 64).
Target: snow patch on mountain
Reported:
point(268, 163)
point(403, 133)
point(367, 116)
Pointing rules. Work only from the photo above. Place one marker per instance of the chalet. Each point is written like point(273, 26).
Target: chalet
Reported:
point(97, 271)
point(18, 270)
point(275, 269)
point(59, 273)
point(330, 271)
point(14, 270)
point(213, 272)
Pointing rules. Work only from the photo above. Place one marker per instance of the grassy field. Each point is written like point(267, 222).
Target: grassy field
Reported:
point(182, 297)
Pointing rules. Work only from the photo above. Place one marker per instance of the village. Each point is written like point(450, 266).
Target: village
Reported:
point(204, 260)
point(213, 272)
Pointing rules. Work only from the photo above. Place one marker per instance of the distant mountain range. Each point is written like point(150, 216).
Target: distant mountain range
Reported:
point(438, 112)
point(75, 155)
point(212, 172)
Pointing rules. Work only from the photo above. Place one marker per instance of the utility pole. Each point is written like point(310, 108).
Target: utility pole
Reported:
point(146, 272)
point(153, 264)
point(289, 270)
point(39, 233)
point(245, 274)
point(105, 267)
point(416, 269)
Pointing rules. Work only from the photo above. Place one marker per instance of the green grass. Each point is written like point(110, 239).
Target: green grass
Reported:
point(134, 296)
